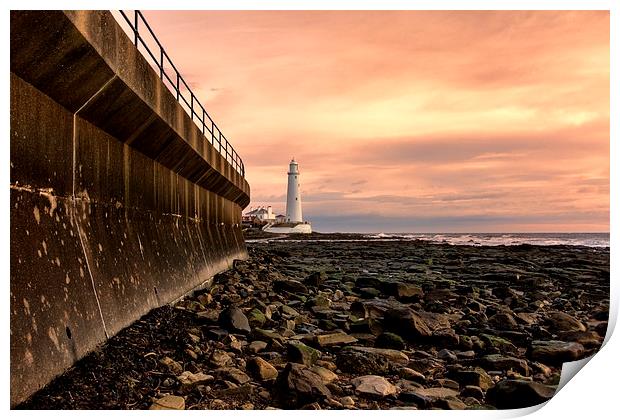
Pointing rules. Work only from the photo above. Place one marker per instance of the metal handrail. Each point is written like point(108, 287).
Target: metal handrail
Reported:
point(176, 84)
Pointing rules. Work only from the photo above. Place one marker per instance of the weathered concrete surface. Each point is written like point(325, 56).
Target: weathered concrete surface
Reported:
point(118, 203)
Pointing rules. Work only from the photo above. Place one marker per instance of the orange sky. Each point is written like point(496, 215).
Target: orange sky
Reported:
point(411, 121)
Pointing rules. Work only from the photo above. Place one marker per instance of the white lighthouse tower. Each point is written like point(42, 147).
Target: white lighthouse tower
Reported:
point(293, 196)
point(294, 222)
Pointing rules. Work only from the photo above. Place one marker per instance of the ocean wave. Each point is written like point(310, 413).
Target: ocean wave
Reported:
point(596, 240)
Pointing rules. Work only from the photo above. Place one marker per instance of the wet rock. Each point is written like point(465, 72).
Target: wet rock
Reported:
point(588, 339)
point(601, 328)
point(503, 321)
point(298, 352)
point(327, 325)
point(361, 363)
point(298, 386)
point(257, 346)
point(411, 374)
point(447, 355)
point(504, 363)
point(402, 291)
point(445, 337)
point(369, 292)
point(407, 323)
point(316, 279)
point(312, 406)
point(219, 358)
point(256, 318)
point(168, 402)
point(172, 365)
point(393, 356)
point(190, 380)
point(560, 322)
point(475, 377)
point(261, 369)
point(265, 335)
point(327, 376)
point(451, 403)
point(446, 383)
point(436, 393)
point(473, 392)
point(390, 340)
point(233, 319)
point(556, 352)
point(373, 385)
point(338, 338)
point(287, 310)
point(368, 282)
point(366, 326)
point(291, 286)
point(496, 344)
point(421, 401)
point(236, 375)
point(508, 394)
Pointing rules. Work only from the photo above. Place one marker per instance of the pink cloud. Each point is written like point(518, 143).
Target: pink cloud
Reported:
point(397, 114)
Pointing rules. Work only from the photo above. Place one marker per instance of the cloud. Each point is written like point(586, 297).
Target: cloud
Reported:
point(437, 116)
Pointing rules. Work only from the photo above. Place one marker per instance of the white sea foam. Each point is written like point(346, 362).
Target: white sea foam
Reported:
point(597, 240)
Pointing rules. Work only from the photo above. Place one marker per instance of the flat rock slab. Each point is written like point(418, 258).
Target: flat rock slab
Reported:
point(191, 380)
point(394, 356)
point(374, 385)
point(169, 402)
point(438, 392)
point(556, 352)
point(334, 339)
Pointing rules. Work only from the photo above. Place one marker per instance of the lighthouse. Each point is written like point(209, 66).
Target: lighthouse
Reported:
point(293, 195)
point(294, 221)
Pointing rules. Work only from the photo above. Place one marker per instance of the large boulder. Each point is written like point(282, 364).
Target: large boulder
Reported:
point(261, 369)
point(233, 320)
point(298, 385)
point(474, 377)
point(500, 362)
point(555, 352)
point(297, 352)
point(407, 323)
point(290, 286)
point(508, 394)
point(374, 386)
point(560, 321)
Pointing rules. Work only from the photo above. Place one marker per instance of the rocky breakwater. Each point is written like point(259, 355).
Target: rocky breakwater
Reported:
point(357, 325)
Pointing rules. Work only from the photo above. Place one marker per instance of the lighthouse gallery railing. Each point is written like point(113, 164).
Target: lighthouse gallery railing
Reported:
point(177, 85)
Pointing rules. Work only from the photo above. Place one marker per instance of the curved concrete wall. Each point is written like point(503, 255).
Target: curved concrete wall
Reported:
point(118, 203)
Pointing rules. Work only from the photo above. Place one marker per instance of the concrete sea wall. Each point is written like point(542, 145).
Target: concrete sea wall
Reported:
point(118, 202)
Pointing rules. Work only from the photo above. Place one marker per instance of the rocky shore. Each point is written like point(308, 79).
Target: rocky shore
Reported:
point(357, 325)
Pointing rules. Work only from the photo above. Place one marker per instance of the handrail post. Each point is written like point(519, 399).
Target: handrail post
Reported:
point(135, 31)
point(161, 63)
point(178, 76)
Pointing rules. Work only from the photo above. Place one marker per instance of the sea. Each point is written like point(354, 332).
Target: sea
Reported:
point(596, 240)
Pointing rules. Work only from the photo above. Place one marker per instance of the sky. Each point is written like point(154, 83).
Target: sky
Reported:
point(410, 121)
